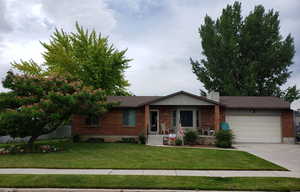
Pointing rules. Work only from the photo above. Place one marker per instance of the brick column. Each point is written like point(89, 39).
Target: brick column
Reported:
point(217, 117)
point(146, 120)
point(287, 123)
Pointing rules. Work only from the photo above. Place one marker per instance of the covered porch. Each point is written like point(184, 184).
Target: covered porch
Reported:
point(163, 120)
point(190, 112)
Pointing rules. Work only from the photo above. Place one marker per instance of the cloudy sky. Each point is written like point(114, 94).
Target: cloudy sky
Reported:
point(161, 35)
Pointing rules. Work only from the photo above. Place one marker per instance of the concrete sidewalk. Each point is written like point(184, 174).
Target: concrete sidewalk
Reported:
point(209, 173)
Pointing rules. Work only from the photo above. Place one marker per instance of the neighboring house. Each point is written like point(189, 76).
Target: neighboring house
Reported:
point(252, 119)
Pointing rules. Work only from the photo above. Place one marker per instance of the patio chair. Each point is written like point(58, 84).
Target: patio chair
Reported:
point(205, 131)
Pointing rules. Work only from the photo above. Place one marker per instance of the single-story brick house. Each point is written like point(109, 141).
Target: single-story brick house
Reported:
point(251, 118)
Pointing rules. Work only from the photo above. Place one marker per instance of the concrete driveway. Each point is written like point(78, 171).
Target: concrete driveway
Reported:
point(285, 155)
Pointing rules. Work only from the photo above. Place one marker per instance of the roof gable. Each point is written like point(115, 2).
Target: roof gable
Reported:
point(138, 101)
point(182, 98)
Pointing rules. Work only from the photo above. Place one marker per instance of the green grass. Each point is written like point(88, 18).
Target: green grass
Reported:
point(150, 182)
point(135, 156)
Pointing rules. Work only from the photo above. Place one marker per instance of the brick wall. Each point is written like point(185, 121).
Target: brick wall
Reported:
point(207, 117)
point(287, 120)
point(111, 123)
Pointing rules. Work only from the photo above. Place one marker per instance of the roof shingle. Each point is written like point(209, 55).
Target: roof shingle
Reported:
point(238, 102)
point(131, 101)
point(254, 102)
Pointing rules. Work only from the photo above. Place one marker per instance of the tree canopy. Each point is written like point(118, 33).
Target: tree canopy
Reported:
point(85, 56)
point(245, 56)
point(38, 105)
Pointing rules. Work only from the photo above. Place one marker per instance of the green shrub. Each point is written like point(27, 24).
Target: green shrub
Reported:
point(128, 140)
point(190, 137)
point(34, 148)
point(76, 138)
point(95, 140)
point(142, 139)
point(178, 142)
point(224, 138)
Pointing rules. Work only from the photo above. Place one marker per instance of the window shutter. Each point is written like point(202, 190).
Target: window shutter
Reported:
point(132, 118)
point(125, 117)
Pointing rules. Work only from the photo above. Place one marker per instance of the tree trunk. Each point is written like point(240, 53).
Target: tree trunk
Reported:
point(32, 140)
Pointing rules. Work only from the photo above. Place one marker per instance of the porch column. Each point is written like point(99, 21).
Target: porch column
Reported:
point(146, 120)
point(217, 117)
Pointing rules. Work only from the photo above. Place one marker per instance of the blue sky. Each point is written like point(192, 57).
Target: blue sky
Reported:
point(161, 35)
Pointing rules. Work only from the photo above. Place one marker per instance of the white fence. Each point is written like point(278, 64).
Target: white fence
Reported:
point(62, 132)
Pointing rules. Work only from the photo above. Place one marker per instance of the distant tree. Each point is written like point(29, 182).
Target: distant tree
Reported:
point(36, 105)
point(245, 56)
point(291, 94)
point(203, 93)
point(85, 56)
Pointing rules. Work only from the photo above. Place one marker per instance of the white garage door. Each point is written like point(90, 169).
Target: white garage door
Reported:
point(254, 128)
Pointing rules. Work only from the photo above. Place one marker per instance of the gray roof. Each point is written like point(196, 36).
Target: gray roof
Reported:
point(237, 102)
point(254, 102)
point(131, 101)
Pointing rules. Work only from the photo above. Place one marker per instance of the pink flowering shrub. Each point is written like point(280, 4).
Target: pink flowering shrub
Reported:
point(37, 148)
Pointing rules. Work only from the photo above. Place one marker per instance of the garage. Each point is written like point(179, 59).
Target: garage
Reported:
point(255, 128)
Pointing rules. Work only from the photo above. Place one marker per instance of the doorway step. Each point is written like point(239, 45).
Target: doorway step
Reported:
point(155, 140)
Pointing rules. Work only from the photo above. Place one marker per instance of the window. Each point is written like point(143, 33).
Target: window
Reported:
point(92, 120)
point(186, 118)
point(129, 117)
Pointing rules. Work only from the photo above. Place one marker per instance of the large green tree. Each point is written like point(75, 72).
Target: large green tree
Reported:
point(245, 56)
point(84, 55)
point(36, 105)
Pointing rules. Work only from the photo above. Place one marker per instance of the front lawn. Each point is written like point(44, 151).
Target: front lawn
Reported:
point(135, 156)
point(149, 182)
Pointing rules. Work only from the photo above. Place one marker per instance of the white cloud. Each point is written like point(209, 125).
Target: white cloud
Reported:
point(160, 35)
point(92, 14)
point(32, 21)
point(5, 26)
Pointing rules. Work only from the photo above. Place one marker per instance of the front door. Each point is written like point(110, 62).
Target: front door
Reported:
point(154, 121)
